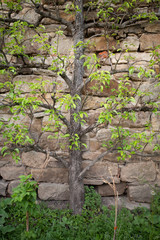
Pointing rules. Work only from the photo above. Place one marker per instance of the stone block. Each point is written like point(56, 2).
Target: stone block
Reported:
point(55, 175)
point(36, 128)
point(103, 135)
point(140, 193)
point(65, 45)
point(131, 57)
point(123, 202)
point(93, 88)
point(142, 118)
point(28, 79)
point(153, 27)
point(149, 41)
point(33, 159)
point(45, 142)
point(98, 44)
point(93, 102)
point(131, 43)
point(94, 145)
point(27, 14)
point(93, 115)
point(100, 172)
point(3, 188)
point(12, 172)
point(68, 17)
point(12, 185)
point(106, 190)
point(151, 91)
point(155, 121)
point(90, 155)
point(53, 191)
point(138, 172)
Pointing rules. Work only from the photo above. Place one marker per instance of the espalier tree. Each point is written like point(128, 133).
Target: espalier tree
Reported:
point(111, 15)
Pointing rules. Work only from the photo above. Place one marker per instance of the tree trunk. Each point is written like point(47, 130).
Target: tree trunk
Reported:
point(76, 186)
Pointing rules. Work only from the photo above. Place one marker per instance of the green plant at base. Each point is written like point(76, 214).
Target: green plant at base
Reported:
point(92, 201)
point(25, 195)
point(3, 217)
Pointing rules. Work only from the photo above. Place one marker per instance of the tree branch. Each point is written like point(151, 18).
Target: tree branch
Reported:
point(46, 14)
point(83, 172)
point(66, 79)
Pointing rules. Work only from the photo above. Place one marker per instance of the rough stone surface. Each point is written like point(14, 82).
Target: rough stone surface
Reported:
point(123, 202)
point(12, 185)
point(131, 43)
point(100, 44)
point(153, 27)
point(53, 191)
point(12, 172)
point(93, 102)
point(28, 14)
point(54, 175)
point(33, 159)
point(107, 89)
point(3, 187)
point(100, 171)
point(142, 118)
point(33, 79)
point(106, 190)
point(138, 172)
point(52, 144)
point(140, 193)
point(148, 41)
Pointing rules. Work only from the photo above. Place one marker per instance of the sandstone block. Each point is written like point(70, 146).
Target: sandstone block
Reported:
point(65, 45)
point(12, 185)
point(52, 144)
point(90, 155)
point(93, 102)
point(93, 88)
point(100, 172)
point(102, 44)
point(93, 115)
point(94, 145)
point(103, 135)
point(11, 172)
point(142, 118)
point(151, 91)
point(138, 172)
point(28, 79)
point(28, 14)
point(140, 193)
point(106, 190)
point(67, 17)
point(123, 202)
point(33, 159)
point(134, 57)
point(149, 41)
point(155, 121)
point(55, 175)
point(36, 128)
point(131, 43)
point(53, 191)
point(153, 27)
point(3, 188)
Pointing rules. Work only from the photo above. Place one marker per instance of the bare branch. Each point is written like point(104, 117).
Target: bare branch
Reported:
point(66, 79)
point(83, 172)
point(48, 14)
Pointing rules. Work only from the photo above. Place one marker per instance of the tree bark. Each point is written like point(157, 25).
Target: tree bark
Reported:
point(76, 185)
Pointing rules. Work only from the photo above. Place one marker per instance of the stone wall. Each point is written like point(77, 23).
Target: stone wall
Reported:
point(134, 178)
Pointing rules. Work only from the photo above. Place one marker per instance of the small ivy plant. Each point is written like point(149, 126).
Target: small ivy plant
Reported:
point(25, 195)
